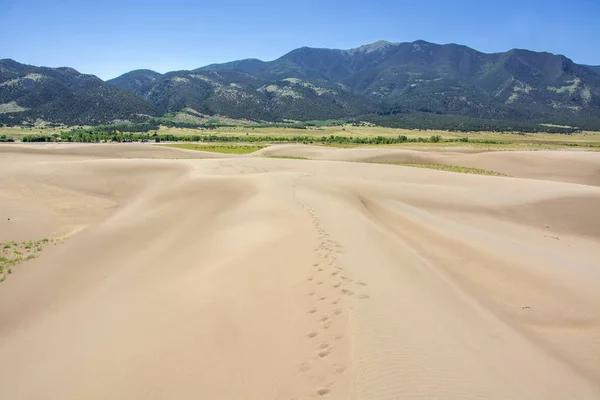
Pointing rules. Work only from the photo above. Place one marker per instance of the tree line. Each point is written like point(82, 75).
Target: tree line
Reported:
point(93, 135)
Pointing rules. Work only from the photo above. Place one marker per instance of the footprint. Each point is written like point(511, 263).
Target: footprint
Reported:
point(361, 283)
point(337, 285)
point(322, 391)
point(324, 318)
point(316, 265)
point(347, 292)
point(304, 367)
point(323, 346)
point(363, 296)
point(323, 354)
point(310, 278)
point(310, 293)
point(334, 273)
point(312, 311)
point(335, 301)
point(319, 282)
point(320, 269)
point(339, 336)
point(337, 312)
point(327, 325)
point(312, 335)
point(322, 298)
point(338, 369)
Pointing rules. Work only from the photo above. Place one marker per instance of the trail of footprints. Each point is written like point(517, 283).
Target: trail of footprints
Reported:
point(326, 277)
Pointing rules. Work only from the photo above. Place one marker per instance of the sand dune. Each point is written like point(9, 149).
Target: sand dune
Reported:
point(258, 278)
point(562, 166)
point(98, 151)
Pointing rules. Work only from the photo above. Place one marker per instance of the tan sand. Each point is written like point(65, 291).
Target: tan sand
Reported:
point(564, 166)
point(257, 278)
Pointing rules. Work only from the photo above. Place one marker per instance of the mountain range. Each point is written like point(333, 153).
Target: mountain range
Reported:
point(63, 95)
point(380, 79)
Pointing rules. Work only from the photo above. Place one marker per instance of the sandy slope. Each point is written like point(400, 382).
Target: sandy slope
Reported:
point(254, 278)
point(563, 166)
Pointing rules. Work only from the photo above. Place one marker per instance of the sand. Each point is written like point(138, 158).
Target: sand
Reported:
point(189, 275)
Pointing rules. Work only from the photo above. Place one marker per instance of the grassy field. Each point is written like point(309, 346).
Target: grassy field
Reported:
point(451, 168)
point(224, 148)
point(374, 131)
point(476, 147)
point(20, 132)
point(475, 141)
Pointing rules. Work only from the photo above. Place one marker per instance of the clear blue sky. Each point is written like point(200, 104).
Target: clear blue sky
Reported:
point(108, 37)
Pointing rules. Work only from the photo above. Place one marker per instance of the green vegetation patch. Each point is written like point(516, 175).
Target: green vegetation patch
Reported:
point(15, 253)
point(225, 148)
point(327, 134)
point(290, 157)
point(451, 168)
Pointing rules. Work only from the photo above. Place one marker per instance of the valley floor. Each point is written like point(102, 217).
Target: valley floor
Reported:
point(179, 274)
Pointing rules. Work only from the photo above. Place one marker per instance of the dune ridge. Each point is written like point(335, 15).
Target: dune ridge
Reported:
point(563, 166)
